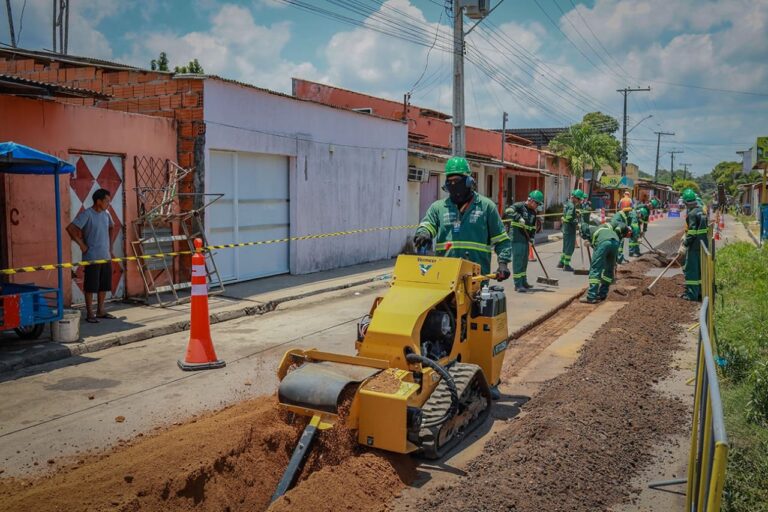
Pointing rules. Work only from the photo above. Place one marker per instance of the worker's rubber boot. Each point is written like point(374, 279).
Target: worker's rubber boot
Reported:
point(521, 289)
point(568, 268)
point(587, 300)
point(560, 264)
point(527, 285)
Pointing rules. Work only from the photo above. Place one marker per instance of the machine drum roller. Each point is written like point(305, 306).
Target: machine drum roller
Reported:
point(427, 354)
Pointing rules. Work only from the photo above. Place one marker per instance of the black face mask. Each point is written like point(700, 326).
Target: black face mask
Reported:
point(459, 192)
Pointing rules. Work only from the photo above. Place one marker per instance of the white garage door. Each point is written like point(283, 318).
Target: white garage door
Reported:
point(254, 208)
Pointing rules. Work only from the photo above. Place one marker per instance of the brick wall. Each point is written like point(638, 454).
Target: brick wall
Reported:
point(143, 92)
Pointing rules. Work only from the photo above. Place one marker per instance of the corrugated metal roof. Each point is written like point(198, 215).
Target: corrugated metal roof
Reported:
point(74, 59)
point(9, 82)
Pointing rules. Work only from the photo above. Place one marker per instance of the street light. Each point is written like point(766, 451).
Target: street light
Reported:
point(640, 121)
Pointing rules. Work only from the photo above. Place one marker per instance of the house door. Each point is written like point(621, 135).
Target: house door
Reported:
point(430, 191)
point(255, 207)
point(93, 172)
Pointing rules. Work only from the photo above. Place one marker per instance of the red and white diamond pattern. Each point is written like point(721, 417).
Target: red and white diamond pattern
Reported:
point(93, 172)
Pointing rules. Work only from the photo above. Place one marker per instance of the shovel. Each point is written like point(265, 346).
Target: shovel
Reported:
point(582, 271)
point(647, 291)
point(542, 280)
point(652, 248)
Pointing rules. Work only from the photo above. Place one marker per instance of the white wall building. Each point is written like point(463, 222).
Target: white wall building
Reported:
point(289, 167)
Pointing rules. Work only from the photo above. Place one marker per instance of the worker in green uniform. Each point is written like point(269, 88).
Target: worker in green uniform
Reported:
point(641, 215)
point(585, 207)
point(605, 241)
point(570, 223)
point(522, 229)
point(620, 221)
point(690, 248)
point(465, 224)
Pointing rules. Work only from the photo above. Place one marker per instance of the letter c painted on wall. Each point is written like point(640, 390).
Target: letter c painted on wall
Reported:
point(14, 216)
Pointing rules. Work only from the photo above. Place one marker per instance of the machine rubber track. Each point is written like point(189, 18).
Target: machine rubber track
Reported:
point(474, 408)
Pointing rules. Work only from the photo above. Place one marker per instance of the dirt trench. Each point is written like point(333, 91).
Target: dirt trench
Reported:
point(228, 460)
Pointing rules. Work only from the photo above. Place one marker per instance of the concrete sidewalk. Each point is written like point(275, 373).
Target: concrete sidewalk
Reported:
point(136, 322)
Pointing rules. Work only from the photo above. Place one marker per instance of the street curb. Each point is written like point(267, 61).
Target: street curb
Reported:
point(56, 352)
point(546, 316)
point(752, 236)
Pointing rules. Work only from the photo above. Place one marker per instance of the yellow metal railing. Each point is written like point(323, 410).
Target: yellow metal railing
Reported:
point(708, 455)
point(709, 441)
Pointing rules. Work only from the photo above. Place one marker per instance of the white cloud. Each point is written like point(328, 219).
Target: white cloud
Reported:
point(234, 46)
point(34, 29)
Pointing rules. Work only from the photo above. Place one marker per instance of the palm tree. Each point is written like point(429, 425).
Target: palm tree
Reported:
point(584, 147)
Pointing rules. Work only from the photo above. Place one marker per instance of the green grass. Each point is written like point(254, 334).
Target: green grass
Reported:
point(741, 323)
point(746, 482)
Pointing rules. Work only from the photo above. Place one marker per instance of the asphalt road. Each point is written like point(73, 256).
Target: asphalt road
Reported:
point(57, 410)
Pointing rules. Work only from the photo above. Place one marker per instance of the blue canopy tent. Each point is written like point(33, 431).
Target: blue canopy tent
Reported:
point(18, 159)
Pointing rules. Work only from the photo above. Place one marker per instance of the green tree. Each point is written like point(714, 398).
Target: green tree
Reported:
point(161, 63)
point(707, 183)
point(584, 147)
point(731, 176)
point(193, 67)
point(603, 123)
point(681, 185)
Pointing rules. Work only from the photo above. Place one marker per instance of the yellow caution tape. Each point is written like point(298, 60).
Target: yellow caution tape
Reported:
point(54, 266)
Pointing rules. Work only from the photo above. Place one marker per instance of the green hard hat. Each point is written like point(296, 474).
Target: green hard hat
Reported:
point(579, 193)
point(689, 195)
point(537, 196)
point(457, 165)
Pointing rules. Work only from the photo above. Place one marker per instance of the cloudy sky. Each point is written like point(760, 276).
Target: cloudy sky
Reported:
point(545, 62)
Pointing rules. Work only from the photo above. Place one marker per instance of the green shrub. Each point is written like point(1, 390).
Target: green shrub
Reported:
point(736, 362)
point(757, 407)
point(741, 326)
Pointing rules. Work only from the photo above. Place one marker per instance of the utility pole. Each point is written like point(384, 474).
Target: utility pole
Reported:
point(61, 21)
point(658, 146)
point(685, 170)
point(672, 165)
point(458, 141)
point(504, 118)
point(10, 22)
point(625, 91)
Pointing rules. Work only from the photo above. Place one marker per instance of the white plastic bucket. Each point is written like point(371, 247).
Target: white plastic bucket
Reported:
point(67, 330)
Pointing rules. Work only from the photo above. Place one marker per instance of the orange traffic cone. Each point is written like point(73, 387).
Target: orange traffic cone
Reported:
point(531, 256)
point(200, 353)
point(721, 223)
point(717, 234)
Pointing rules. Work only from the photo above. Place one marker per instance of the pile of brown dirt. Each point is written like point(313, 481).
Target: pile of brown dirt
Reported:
point(340, 474)
point(589, 430)
point(364, 482)
point(229, 460)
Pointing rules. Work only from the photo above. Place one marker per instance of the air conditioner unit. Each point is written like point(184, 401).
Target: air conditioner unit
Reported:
point(418, 174)
point(476, 9)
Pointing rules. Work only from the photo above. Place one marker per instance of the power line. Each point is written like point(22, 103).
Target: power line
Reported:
point(426, 64)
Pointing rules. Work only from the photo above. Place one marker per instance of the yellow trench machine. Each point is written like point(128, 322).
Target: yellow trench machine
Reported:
point(428, 353)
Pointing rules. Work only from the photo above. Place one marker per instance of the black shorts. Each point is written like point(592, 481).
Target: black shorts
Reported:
point(98, 278)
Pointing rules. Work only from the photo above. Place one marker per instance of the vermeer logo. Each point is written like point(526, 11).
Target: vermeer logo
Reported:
point(424, 268)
